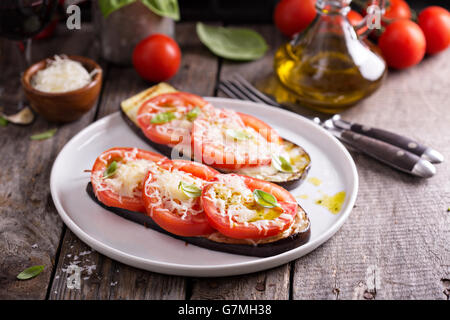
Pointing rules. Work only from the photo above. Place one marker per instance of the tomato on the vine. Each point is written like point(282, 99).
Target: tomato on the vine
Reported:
point(293, 16)
point(435, 24)
point(157, 58)
point(402, 44)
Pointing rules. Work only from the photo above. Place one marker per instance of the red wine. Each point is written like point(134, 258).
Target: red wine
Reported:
point(22, 19)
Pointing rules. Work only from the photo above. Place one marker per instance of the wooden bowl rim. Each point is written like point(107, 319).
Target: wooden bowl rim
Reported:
point(86, 62)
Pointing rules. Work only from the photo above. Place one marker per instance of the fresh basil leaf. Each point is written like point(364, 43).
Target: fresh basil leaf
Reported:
point(165, 8)
point(109, 6)
point(110, 171)
point(193, 114)
point(238, 134)
point(281, 164)
point(3, 122)
point(190, 190)
point(265, 199)
point(163, 117)
point(30, 272)
point(232, 43)
point(44, 135)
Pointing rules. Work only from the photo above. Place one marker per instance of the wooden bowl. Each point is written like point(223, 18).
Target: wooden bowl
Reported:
point(64, 106)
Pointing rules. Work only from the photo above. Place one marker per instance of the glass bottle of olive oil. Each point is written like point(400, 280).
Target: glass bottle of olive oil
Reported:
point(328, 67)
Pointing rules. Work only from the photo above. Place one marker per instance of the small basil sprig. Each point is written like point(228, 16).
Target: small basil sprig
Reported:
point(190, 190)
point(163, 117)
point(281, 164)
point(265, 199)
point(193, 114)
point(111, 170)
point(44, 135)
point(165, 8)
point(3, 122)
point(232, 43)
point(238, 134)
point(30, 272)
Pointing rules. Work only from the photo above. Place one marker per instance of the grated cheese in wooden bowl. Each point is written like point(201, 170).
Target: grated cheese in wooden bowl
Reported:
point(61, 75)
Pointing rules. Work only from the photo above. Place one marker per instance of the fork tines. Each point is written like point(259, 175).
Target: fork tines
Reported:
point(239, 88)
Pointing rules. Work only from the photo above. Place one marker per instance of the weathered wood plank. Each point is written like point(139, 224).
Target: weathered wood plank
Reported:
point(30, 228)
point(274, 283)
point(111, 279)
point(395, 243)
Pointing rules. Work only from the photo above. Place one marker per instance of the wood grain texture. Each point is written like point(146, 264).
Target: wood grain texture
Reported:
point(395, 243)
point(270, 284)
point(30, 228)
point(111, 279)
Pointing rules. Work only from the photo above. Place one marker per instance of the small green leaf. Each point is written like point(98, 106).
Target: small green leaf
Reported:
point(265, 199)
point(44, 135)
point(165, 8)
point(238, 134)
point(163, 117)
point(111, 170)
point(193, 114)
point(281, 164)
point(232, 43)
point(109, 6)
point(30, 272)
point(3, 122)
point(190, 190)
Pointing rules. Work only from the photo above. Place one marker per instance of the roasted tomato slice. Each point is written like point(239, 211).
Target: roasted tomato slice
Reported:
point(118, 174)
point(167, 118)
point(172, 197)
point(234, 207)
point(230, 140)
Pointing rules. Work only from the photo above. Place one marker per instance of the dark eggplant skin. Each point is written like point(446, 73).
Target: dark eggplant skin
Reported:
point(167, 151)
point(259, 250)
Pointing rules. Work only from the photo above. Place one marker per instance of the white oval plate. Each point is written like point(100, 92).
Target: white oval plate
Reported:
point(143, 248)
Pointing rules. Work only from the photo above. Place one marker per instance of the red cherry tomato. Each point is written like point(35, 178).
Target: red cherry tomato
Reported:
point(354, 17)
point(292, 16)
point(398, 9)
point(227, 222)
point(157, 58)
point(187, 221)
point(402, 44)
point(106, 193)
point(435, 24)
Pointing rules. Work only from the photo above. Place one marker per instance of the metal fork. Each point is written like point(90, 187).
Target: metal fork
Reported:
point(390, 148)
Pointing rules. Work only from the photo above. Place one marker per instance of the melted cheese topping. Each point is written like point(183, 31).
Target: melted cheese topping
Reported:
point(234, 200)
point(295, 155)
point(162, 188)
point(180, 126)
point(214, 134)
point(127, 180)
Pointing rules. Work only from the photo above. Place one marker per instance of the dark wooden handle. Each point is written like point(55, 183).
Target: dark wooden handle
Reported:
point(382, 151)
point(391, 138)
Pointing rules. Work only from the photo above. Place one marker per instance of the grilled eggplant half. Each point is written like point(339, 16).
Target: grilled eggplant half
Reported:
point(297, 235)
point(300, 159)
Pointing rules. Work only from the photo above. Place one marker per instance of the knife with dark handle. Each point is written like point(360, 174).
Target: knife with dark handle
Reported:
point(389, 154)
point(395, 139)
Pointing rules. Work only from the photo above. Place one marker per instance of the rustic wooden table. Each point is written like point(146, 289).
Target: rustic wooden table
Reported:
point(395, 244)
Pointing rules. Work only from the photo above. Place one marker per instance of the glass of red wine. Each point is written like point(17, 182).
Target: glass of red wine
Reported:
point(20, 20)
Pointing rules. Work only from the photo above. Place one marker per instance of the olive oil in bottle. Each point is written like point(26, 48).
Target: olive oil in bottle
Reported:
point(327, 67)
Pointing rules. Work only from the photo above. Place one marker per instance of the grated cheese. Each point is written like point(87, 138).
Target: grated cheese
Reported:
point(127, 180)
point(162, 186)
point(61, 75)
